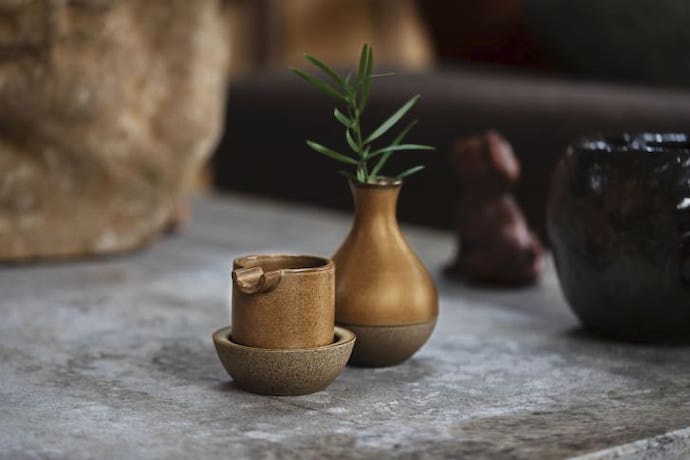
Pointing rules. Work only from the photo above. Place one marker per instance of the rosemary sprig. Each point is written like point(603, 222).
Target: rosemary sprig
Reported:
point(353, 96)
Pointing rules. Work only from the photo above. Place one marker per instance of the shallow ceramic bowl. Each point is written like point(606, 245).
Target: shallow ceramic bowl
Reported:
point(284, 372)
point(380, 346)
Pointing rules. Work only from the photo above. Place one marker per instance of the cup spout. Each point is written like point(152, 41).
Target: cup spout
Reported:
point(253, 280)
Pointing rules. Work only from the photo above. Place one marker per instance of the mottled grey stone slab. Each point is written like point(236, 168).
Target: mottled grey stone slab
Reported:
point(113, 359)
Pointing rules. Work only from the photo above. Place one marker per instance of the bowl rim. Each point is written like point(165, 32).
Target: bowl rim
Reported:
point(343, 337)
point(646, 142)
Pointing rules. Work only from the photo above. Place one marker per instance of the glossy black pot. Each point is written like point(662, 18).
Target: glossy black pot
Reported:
point(619, 222)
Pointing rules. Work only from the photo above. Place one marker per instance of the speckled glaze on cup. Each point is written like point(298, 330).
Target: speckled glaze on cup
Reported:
point(283, 301)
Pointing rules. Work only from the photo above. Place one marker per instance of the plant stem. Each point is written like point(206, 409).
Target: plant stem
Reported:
point(354, 114)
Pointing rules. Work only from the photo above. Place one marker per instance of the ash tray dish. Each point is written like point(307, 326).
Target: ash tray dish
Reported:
point(284, 372)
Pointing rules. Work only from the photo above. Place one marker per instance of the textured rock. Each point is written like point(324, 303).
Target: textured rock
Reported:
point(107, 109)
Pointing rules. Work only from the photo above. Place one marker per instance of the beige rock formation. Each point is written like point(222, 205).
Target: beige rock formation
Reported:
point(107, 110)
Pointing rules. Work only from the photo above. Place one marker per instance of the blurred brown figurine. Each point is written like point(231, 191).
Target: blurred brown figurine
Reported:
point(495, 245)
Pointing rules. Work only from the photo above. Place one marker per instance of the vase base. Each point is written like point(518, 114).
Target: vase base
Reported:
point(381, 346)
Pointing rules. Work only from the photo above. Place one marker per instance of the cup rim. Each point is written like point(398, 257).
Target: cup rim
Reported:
point(323, 264)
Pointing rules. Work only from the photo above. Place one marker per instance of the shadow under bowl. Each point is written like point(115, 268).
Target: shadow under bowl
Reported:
point(284, 372)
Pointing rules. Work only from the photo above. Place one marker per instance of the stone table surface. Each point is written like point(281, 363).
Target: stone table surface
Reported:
point(113, 358)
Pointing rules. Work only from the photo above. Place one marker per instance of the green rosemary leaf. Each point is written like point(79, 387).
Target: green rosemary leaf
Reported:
point(369, 69)
point(395, 148)
point(390, 122)
point(362, 63)
point(349, 90)
point(351, 142)
point(380, 75)
point(342, 118)
point(325, 87)
point(325, 69)
point(409, 172)
point(361, 177)
point(331, 153)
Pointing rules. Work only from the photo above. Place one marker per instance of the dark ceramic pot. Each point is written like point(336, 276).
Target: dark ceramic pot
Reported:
point(619, 222)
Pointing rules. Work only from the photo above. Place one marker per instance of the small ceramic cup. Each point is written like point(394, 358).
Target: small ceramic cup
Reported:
point(283, 301)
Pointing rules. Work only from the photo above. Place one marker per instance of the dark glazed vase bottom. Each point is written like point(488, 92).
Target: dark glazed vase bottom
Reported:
point(619, 222)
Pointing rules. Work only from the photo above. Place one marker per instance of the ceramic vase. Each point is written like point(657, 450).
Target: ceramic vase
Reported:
point(383, 292)
point(619, 224)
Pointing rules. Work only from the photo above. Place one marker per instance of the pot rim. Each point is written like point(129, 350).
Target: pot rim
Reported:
point(376, 185)
point(668, 143)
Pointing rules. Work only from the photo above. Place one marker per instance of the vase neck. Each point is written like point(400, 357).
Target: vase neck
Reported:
point(375, 202)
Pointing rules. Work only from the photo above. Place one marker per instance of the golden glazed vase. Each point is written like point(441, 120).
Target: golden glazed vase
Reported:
point(383, 292)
